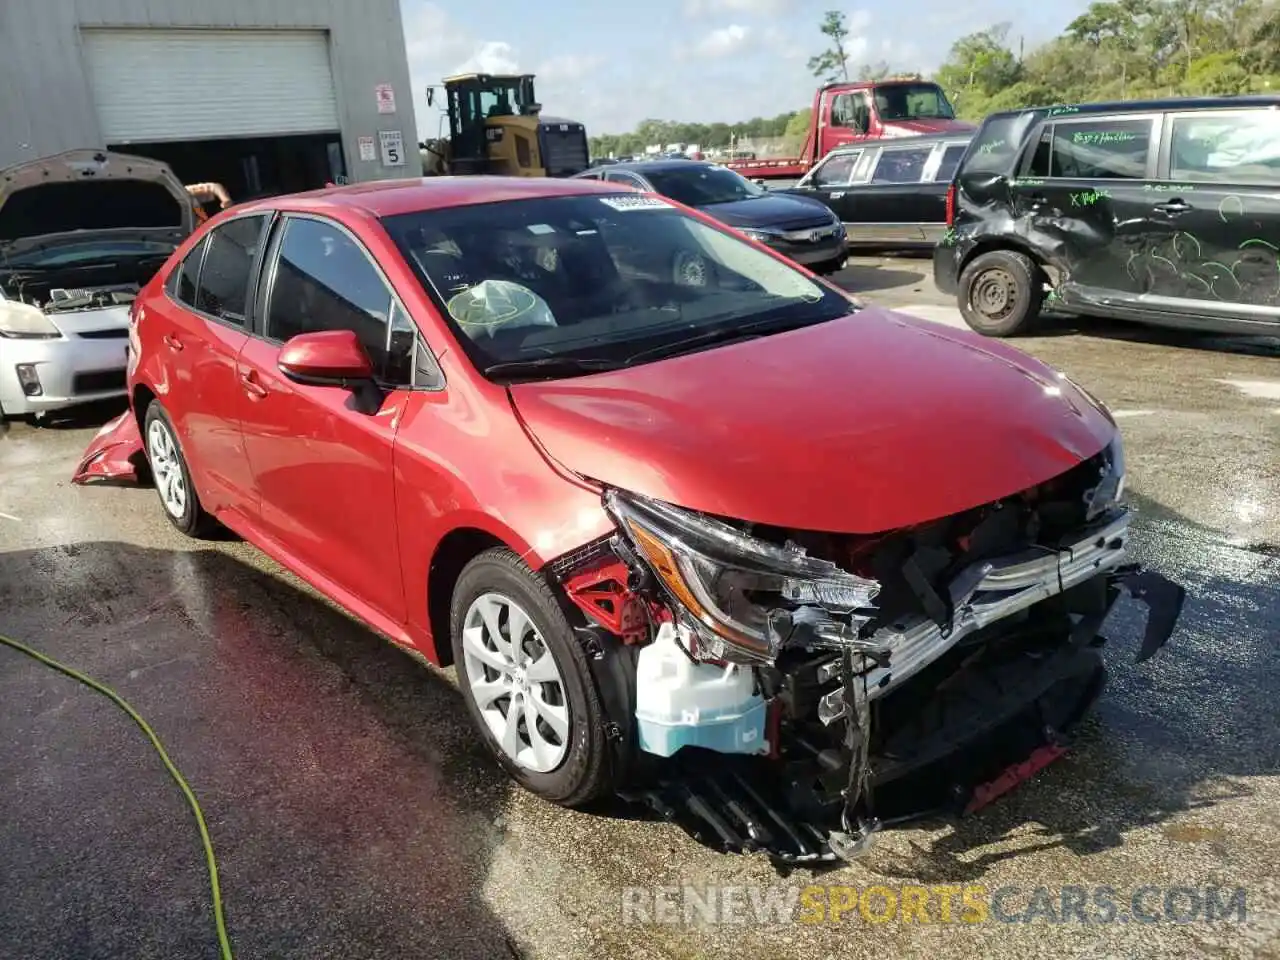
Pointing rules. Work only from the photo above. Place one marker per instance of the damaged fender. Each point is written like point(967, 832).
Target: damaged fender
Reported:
point(115, 453)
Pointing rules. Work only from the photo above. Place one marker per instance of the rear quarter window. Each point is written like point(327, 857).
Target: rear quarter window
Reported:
point(998, 144)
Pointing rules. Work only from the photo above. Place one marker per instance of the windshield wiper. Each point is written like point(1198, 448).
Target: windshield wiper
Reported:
point(550, 367)
point(722, 334)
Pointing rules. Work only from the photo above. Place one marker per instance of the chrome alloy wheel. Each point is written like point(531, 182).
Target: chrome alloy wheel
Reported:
point(691, 270)
point(162, 452)
point(516, 683)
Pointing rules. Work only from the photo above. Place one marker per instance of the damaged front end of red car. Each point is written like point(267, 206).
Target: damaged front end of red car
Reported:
point(115, 454)
point(794, 692)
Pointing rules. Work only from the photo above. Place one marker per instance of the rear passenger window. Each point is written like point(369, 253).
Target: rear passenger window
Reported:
point(998, 143)
point(1100, 150)
point(902, 166)
point(228, 264)
point(1226, 147)
point(950, 160)
point(182, 285)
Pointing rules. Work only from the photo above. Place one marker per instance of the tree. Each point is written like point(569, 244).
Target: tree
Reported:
point(1115, 50)
point(798, 125)
point(833, 63)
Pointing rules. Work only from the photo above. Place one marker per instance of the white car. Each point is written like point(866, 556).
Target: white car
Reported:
point(80, 233)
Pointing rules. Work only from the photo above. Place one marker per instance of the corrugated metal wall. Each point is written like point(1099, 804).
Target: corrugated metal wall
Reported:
point(46, 104)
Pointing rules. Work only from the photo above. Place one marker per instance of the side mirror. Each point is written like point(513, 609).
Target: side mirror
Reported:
point(327, 358)
point(332, 358)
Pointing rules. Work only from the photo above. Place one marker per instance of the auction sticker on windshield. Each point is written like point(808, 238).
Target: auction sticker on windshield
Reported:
point(636, 203)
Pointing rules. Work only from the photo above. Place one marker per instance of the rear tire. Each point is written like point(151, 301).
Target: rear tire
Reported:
point(168, 468)
point(1000, 293)
point(565, 757)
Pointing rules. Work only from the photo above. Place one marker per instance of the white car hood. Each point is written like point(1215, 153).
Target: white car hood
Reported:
point(54, 212)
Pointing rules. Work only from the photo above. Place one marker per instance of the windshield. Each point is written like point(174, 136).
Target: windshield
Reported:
point(78, 252)
point(913, 101)
point(599, 280)
point(701, 186)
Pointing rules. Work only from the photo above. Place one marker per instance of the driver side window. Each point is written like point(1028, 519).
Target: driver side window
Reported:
point(836, 171)
point(324, 280)
point(851, 111)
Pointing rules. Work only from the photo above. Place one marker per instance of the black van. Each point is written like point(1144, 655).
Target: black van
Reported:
point(889, 193)
point(1163, 212)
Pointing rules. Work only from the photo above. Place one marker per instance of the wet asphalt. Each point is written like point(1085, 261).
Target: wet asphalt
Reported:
point(355, 815)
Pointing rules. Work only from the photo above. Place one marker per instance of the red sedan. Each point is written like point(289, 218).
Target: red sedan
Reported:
point(693, 524)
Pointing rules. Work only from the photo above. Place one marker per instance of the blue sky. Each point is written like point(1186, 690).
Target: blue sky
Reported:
point(611, 65)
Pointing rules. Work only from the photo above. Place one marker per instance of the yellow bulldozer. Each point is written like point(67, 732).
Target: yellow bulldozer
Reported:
point(496, 127)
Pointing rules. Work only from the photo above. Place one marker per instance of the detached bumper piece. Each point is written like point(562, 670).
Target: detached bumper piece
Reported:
point(115, 453)
point(987, 726)
point(733, 804)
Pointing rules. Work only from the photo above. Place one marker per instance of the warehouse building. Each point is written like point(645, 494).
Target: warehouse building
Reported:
point(263, 96)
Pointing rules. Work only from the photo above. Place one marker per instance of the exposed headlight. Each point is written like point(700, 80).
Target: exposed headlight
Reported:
point(1110, 489)
point(731, 585)
point(760, 236)
point(21, 321)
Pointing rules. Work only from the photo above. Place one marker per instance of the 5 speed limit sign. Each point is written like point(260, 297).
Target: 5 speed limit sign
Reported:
point(392, 144)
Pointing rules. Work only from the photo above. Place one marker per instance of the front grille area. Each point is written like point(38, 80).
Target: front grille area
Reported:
point(818, 222)
point(114, 333)
point(98, 382)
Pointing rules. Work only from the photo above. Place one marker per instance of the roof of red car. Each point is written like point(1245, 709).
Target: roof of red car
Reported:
point(386, 198)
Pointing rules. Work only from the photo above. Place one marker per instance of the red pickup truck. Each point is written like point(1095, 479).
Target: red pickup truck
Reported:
point(847, 112)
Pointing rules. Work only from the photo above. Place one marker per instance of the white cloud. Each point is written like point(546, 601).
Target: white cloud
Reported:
point(569, 67)
point(724, 41)
point(699, 8)
point(438, 47)
point(491, 56)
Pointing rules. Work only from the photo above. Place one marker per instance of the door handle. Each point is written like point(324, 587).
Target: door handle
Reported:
point(172, 342)
point(1176, 205)
point(252, 387)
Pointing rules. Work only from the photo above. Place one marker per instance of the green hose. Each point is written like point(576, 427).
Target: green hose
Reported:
point(224, 942)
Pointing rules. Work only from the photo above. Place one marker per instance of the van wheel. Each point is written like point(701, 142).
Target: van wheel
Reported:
point(526, 681)
point(1000, 293)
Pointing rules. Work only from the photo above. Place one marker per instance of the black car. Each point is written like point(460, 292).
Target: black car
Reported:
point(889, 193)
point(800, 228)
point(1163, 212)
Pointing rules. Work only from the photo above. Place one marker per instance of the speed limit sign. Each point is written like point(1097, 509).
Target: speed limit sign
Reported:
point(392, 143)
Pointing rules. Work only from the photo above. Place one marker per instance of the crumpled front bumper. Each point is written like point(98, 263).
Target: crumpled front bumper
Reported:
point(115, 453)
point(974, 738)
point(993, 590)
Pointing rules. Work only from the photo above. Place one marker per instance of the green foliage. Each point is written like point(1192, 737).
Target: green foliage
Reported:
point(833, 63)
point(1122, 50)
point(1115, 50)
point(706, 135)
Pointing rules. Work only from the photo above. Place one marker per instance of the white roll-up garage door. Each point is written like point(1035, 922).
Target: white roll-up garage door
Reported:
point(161, 85)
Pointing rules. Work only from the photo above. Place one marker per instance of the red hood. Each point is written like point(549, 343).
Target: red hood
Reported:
point(864, 424)
point(906, 128)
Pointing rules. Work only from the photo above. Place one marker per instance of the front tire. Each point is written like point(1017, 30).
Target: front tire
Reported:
point(172, 477)
point(526, 681)
point(1000, 293)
